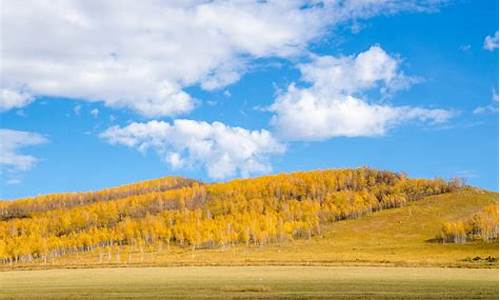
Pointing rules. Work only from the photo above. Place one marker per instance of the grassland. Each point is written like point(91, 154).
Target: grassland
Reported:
point(279, 282)
point(394, 237)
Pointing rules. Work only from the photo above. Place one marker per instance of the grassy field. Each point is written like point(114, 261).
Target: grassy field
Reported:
point(251, 283)
point(394, 237)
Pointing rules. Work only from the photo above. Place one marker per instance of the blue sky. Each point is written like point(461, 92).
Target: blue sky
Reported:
point(216, 91)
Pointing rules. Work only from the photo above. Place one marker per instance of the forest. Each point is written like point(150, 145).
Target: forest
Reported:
point(188, 213)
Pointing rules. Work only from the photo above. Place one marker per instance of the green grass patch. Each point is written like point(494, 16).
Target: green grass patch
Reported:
point(251, 283)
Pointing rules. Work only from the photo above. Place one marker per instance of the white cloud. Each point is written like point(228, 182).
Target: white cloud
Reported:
point(351, 74)
point(331, 107)
point(490, 108)
point(143, 54)
point(222, 150)
point(10, 99)
point(94, 112)
point(491, 42)
point(11, 142)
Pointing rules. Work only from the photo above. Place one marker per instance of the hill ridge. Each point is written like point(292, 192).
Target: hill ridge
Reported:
point(23, 206)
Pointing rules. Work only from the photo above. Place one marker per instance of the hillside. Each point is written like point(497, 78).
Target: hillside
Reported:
point(354, 216)
point(394, 237)
point(27, 206)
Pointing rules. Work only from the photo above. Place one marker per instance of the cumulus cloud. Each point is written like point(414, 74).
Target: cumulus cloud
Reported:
point(222, 150)
point(11, 142)
point(10, 99)
point(351, 74)
point(143, 54)
point(491, 42)
point(490, 108)
point(333, 105)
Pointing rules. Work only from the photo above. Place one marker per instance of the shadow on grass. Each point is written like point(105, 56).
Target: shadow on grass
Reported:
point(435, 241)
point(245, 289)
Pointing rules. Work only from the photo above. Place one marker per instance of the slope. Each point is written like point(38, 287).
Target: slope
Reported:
point(400, 237)
point(392, 237)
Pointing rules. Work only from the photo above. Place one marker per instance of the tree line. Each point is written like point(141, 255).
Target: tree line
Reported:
point(482, 225)
point(25, 207)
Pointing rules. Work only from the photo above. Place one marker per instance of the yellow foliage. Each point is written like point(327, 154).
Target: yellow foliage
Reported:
point(482, 225)
point(263, 210)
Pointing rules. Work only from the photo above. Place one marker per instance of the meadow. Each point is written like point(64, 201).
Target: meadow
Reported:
point(251, 282)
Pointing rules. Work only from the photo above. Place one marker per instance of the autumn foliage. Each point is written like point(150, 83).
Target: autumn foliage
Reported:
point(268, 209)
point(481, 226)
point(24, 207)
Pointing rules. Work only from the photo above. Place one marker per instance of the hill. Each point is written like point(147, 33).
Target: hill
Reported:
point(355, 216)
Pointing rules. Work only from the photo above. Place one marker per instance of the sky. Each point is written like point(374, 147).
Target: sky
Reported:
point(100, 93)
